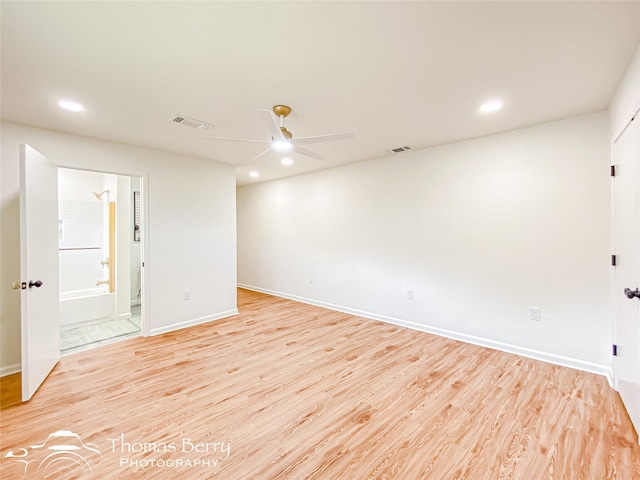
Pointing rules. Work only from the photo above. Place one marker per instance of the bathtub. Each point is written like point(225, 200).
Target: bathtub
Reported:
point(88, 305)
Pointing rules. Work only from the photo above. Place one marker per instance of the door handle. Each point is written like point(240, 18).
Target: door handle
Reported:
point(632, 293)
point(36, 284)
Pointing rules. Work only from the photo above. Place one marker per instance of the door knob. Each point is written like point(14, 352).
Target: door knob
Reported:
point(36, 284)
point(632, 293)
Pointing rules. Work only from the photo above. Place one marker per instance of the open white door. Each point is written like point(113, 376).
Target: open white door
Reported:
point(38, 268)
point(626, 235)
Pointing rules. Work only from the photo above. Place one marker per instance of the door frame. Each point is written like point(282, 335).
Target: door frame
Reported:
point(145, 328)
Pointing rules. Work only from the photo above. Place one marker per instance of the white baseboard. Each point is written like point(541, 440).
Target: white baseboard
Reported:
point(609, 375)
point(463, 337)
point(124, 316)
point(135, 303)
point(194, 322)
point(10, 370)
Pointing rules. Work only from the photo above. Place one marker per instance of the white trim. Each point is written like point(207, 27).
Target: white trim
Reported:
point(609, 375)
point(10, 370)
point(124, 316)
point(193, 322)
point(483, 342)
point(145, 257)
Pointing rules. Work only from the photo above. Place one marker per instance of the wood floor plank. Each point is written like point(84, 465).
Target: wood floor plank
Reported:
point(299, 392)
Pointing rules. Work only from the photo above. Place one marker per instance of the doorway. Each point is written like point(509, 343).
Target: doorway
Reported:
point(99, 251)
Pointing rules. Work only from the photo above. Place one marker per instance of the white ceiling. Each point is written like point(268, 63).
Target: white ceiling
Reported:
point(395, 73)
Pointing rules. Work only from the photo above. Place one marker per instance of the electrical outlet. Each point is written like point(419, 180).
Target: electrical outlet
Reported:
point(409, 294)
point(535, 314)
point(186, 295)
point(311, 278)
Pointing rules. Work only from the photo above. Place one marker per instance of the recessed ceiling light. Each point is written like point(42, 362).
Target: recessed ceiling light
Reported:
point(282, 145)
point(286, 161)
point(491, 106)
point(254, 174)
point(72, 106)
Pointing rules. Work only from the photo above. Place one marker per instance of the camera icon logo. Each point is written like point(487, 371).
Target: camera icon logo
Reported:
point(62, 451)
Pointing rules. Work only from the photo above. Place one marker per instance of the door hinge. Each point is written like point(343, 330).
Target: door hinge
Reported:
point(613, 170)
point(613, 260)
point(614, 350)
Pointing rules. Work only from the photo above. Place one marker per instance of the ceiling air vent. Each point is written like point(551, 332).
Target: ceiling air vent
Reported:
point(189, 122)
point(400, 149)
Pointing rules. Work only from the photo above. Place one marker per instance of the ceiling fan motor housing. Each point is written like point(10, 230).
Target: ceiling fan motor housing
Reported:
point(286, 133)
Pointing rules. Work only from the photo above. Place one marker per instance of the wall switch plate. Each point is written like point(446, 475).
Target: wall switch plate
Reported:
point(535, 314)
point(409, 294)
point(186, 295)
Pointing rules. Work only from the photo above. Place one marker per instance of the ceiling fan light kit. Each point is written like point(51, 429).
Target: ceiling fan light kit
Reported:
point(282, 139)
point(282, 145)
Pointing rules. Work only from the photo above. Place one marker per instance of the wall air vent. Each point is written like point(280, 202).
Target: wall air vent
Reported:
point(189, 122)
point(399, 149)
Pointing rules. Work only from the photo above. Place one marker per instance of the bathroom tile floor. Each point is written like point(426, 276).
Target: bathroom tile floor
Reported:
point(74, 338)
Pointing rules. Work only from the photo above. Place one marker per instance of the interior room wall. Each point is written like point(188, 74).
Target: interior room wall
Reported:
point(478, 232)
point(191, 228)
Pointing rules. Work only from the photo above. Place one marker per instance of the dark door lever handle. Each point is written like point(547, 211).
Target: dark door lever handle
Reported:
point(632, 293)
point(36, 284)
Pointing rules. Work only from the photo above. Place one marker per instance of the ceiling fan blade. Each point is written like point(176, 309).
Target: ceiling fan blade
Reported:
point(258, 156)
point(308, 153)
point(323, 138)
point(236, 139)
point(272, 124)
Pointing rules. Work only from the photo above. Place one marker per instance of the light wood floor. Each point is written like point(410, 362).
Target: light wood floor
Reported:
point(299, 392)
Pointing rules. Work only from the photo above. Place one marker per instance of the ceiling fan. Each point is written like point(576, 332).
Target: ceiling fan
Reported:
point(282, 140)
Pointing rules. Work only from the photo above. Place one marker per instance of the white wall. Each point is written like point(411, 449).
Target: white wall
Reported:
point(191, 207)
point(480, 230)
